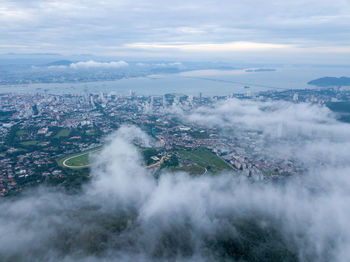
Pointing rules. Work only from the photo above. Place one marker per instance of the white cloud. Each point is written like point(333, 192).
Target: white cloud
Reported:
point(57, 67)
point(307, 132)
point(126, 214)
point(94, 64)
point(210, 47)
point(204, 26)
point(8, 14)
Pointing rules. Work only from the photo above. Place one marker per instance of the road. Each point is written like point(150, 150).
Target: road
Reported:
point(64, 163)
point(157, 163)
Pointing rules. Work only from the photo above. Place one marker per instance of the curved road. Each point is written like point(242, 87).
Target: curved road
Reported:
point(64, 163)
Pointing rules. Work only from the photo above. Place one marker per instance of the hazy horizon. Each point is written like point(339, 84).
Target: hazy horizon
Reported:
point(254, 31)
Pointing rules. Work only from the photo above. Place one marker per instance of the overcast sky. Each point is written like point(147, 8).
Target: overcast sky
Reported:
point(257, 29)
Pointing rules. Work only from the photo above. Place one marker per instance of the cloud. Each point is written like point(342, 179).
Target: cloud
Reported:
point(307, 132)
point(125, 214)
point(57, 67)
point(72, 27)
point(299, 119)
point(210, 47)
point(240, 47)
point(94, 64)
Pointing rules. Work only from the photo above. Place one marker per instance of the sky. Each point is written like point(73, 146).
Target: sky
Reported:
point(265, 30)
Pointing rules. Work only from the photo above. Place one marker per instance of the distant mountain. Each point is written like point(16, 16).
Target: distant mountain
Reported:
point(60, 63)
point(330, 81)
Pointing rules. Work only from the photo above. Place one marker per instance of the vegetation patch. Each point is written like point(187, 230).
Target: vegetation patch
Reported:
point(21, 133)
point(62, 133)
point(29, 143)
point(192, 170)
point(205, 159)
point(5, 115)
point(90, 133)
point(78, 160)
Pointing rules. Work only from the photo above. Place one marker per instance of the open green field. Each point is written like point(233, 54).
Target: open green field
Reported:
point(21, 133)
point(78, 160)
point(29, 143)
point(62, 133)
point(91, 133)
point(206, 159)
point(192, 170)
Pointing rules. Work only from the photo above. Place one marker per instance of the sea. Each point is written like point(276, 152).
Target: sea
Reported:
point(207, 82)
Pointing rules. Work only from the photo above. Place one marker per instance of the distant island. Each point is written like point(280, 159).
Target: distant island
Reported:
point(260, 70)
point(330, 81)
point(60, 63)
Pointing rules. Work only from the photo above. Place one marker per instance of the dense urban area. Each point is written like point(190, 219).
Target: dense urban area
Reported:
point(52, 138)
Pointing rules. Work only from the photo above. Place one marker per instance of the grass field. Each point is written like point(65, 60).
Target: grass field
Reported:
point(21, 132)
point(78, 160)
point(29, 143)
point(206, 159)
point(91, 133)
point(62, 133)
point(193, 170)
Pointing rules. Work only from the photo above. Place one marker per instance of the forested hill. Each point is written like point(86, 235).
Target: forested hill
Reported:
point(331, 81)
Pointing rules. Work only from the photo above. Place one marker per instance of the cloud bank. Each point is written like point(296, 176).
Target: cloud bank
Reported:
point(94, 64)
point(150, 28)
point(210, 47)
point(125, 214)
point(307, 132)
point(91, 64)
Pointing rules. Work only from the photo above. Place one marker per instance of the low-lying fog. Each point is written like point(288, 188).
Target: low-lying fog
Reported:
point(124, 214)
